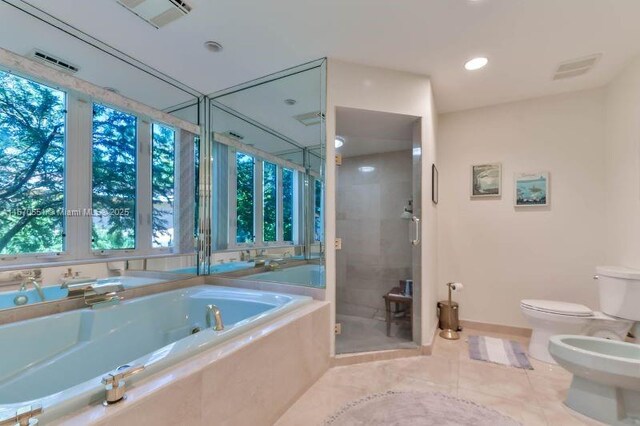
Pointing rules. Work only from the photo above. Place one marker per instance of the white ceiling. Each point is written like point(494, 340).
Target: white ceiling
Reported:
point(524, 40)
point(265, 104)
point(373, 132)
point(22, 33)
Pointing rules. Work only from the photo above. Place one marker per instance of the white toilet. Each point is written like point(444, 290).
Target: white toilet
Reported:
point(606, 373)
point(549, 318)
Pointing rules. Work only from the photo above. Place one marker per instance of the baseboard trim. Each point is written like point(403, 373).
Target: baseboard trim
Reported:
point(496, 328)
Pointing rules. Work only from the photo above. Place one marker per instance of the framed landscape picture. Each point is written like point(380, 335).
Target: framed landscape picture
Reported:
point(531, 189)
point(486, 180)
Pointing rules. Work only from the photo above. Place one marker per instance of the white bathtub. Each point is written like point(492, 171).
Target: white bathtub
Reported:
point(58, 361)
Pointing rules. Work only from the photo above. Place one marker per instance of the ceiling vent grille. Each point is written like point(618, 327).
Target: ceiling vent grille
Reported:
point(310, 118)
point(158, 13)
point(54, 61)
point(235, 135)
point(576, 67)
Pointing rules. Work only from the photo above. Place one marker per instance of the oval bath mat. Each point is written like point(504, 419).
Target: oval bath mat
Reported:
point(416, 409)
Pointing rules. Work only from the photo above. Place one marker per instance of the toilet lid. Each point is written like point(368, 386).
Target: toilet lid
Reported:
point(554, 307)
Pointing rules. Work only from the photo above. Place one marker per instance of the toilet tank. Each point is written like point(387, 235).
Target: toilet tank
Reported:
point(619, 290)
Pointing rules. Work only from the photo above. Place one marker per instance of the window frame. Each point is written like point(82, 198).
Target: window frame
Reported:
point(141, 190)
point(78, 186)
point(35, 257)
point(176, 185)
point(258, 203)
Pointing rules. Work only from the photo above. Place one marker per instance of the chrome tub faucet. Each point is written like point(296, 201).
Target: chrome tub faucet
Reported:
point(101, 295)
point(214, 318)
point(34, 282)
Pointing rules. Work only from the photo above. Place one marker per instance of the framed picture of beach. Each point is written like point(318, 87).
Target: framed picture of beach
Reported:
point(531, 189)
point(486, 180)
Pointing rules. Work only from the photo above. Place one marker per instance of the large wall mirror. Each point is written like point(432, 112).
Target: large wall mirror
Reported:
point(98, 164)
point(268, 178)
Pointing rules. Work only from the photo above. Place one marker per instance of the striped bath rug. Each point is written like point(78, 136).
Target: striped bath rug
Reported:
point(498, 351)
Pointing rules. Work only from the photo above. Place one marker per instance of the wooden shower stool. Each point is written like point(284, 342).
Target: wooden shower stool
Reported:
point(395, 296)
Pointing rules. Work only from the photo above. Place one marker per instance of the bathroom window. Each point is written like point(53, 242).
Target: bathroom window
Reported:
point(269, 202)
point(287, 204)
point(32, 166)
point(113, 179)
point(245, 170)
point(163, 150)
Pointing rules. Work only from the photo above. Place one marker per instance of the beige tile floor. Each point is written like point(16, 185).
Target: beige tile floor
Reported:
point(533, 397)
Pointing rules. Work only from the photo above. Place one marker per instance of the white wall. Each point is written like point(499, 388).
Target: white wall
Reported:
point(377, 89)
point(622, 134)
point(503, 254)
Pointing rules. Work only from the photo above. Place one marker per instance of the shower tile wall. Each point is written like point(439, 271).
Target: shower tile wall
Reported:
point(376, 252)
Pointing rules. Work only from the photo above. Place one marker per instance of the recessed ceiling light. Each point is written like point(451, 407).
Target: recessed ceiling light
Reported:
point(366, 169)
point(290, 101)
point(476, 63)
point(213, 46)
point(339, 141)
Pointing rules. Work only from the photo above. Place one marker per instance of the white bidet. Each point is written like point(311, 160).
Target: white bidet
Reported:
point(606, 377)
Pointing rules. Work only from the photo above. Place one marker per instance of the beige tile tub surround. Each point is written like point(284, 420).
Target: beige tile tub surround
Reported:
point(249, 380)
point(532, 397)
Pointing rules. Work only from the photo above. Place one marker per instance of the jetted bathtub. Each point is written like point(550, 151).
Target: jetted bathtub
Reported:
point(58, 361)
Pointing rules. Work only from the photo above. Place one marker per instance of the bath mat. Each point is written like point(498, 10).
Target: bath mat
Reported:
point(416, 409)
point(498, 351)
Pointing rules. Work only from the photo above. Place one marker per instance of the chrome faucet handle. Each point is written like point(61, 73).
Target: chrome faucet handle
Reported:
point(115, 385)
point(23, 416)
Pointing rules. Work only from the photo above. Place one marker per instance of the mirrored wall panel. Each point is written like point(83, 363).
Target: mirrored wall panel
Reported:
point(98, 163)
point(268, 178)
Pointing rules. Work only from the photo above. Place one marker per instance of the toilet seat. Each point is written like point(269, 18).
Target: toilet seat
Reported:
point(557, 308)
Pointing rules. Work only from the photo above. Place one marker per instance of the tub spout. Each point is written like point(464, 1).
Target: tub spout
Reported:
point(35, 285)
point(214, 316)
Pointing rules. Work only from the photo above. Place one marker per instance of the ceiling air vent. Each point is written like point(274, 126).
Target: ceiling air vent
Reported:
point(576, 67)
point(309, 119)
point(235, 135)
point(54, 61)
point(157, 12)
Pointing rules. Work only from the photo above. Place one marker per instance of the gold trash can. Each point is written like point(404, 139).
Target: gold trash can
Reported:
point(446, 319)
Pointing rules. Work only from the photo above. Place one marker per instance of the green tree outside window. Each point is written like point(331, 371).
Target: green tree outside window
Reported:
point(32, 134)
point(244, 205)
point(114, 179)
point(269, 201)
point(163, 185)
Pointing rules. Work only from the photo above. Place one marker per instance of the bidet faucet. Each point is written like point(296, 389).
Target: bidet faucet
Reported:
point(214, 317)
point(35, 284)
